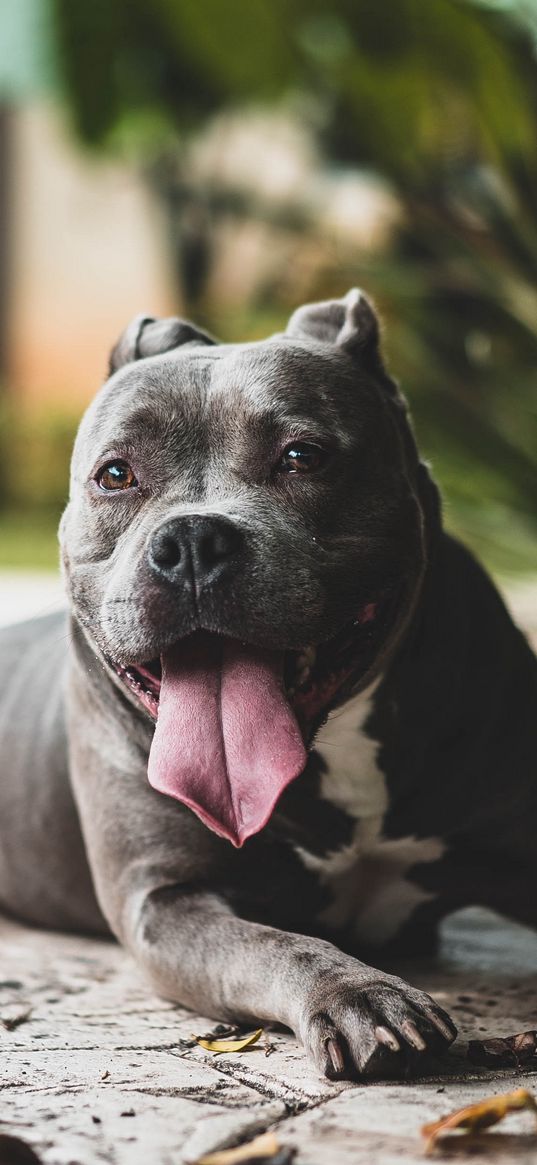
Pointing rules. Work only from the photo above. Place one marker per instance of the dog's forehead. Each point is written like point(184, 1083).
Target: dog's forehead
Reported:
point(280, 380)
point(280, 371)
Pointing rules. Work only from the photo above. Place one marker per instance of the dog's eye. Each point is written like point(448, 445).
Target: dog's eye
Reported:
point(301, 457)
point(115, 476)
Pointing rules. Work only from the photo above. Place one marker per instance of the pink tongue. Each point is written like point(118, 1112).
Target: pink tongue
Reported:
point(226, 741)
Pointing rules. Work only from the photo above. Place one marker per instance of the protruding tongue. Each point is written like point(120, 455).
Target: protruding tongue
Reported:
point(226, 741)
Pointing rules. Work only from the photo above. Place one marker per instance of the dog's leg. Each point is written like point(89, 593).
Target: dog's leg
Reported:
point(352, 1019)
point(154, 866)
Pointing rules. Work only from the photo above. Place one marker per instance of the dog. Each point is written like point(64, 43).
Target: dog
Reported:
point(287, 719)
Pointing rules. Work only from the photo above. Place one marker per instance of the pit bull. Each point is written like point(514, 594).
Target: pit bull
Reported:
point(287, 719)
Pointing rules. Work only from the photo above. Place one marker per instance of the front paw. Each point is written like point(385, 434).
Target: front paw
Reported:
point(378, 1027)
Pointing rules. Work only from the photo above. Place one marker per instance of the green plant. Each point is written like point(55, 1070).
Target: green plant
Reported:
point(35, 452)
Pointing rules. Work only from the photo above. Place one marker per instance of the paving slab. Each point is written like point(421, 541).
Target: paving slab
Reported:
point(95, 1068)
point(381, 1123)
point(25, 594)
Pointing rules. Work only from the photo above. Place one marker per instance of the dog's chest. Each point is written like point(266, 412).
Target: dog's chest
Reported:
point(367, 879)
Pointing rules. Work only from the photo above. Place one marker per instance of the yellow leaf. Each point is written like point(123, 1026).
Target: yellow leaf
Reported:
point(479, 1116)
point(230, 1045)
point(262, 1148)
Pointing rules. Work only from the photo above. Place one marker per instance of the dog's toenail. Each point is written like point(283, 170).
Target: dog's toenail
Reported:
point(386, 1037)
point(412, 1034)
point(442, 1027)
point(335, 1054)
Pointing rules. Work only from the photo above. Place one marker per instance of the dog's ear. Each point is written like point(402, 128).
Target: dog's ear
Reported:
point(349, 323)
point(146, 336)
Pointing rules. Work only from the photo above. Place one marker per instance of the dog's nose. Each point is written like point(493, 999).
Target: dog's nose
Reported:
point(194, 547)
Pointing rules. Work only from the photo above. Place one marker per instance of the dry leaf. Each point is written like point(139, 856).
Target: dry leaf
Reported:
point(13, 1014)
point(230, 1045)
point(504, 1052)
point(263, 1148)
point(479, 1116)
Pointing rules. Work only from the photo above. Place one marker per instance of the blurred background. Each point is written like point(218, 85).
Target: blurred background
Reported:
point(229, 159)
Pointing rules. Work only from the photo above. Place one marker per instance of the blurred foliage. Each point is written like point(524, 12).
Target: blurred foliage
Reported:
point(440, 99)
point(29, 539)
point(36, 450)
point(35, 459)
point(395, 85)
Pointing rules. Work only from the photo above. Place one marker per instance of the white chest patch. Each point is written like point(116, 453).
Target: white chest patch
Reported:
point(367, 878)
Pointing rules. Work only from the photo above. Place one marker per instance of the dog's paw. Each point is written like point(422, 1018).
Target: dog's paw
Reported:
point(380, 1027)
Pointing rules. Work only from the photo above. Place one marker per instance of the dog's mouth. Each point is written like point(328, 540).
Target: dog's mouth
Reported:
point(310, 677)
point(233, 720)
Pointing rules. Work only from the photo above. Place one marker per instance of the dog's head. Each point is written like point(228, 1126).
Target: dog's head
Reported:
point(245, 540)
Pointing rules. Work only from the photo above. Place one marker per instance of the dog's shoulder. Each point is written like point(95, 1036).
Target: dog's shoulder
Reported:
point(412, 770)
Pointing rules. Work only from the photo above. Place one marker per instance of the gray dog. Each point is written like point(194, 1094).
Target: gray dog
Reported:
point(251, 543)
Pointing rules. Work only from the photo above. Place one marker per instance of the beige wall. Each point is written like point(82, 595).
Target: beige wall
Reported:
point(88, 252)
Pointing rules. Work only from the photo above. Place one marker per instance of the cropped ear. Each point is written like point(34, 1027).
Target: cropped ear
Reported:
point(146, 336)
point(349, 324)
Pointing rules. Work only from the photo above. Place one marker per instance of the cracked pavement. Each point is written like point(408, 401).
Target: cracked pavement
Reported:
point(94, 1068)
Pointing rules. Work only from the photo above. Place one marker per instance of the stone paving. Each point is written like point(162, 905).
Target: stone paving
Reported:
point(95, 1069)
point(24, 594)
